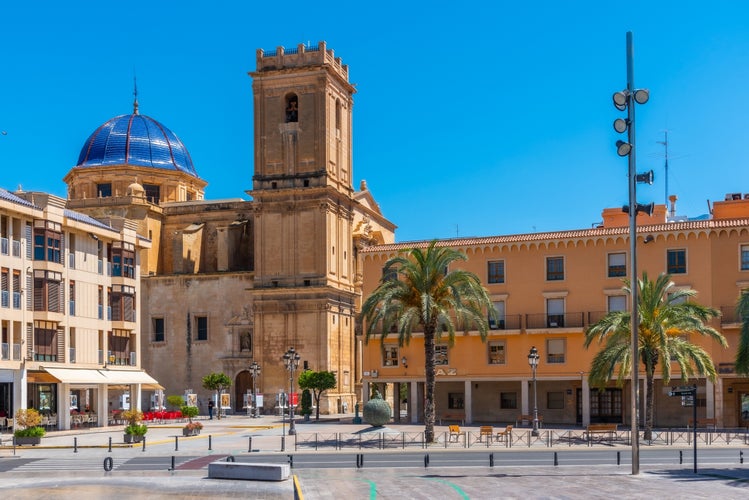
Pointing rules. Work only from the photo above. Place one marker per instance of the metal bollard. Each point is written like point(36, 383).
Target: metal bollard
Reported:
point(556, 459)
point(283, 443)
point(75, 445)
point(144, 443)
point(209, 443)
point(250, 448)
point(681, 457)
point(110, 444)
point(618, 458)
point(176, 443)
point(491, 459)
point(426, 460)
point(741, 457)
point(291, 461)
point(172, 467)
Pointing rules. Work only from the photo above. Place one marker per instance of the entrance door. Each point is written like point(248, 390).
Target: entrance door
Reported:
point(605, 405)
point(242, 385)
point(744, 409)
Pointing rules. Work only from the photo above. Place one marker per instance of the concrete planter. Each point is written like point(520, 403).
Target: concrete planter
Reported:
point(27, 440)
point(132, 438)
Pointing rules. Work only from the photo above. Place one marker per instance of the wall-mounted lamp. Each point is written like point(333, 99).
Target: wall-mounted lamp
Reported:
point(648, 239)
point(404, 362)
point(93, 236)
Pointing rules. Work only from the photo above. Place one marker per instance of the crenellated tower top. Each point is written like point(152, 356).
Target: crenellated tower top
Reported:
point(302, 55)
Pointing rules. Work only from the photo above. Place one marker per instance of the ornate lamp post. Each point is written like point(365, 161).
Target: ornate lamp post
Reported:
point(533, 361)
point(291, 360)
point(255, 372)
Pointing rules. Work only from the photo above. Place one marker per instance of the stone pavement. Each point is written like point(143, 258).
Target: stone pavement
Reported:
point(71, 474)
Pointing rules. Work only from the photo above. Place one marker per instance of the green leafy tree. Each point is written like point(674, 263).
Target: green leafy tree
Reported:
point(418, 290)
point(666, 318)
point(317, 382)
point(217, 382)
point(742, 353)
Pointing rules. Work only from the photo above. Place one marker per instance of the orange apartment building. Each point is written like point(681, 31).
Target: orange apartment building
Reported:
point(547, 288)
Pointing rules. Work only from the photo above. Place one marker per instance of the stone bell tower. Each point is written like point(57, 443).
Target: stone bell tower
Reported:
point(303, 290)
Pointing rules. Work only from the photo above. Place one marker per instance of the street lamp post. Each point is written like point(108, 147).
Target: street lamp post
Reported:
point(291, 360)
point(255, 372)
point(626, 100)
point(533, 361)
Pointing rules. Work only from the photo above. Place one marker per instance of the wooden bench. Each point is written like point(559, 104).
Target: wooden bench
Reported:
point(486, 430)
point(609, 429)
point(529, 418)
point(503, 435)
point(704, 422)
point(453, 417)
point(455, 433)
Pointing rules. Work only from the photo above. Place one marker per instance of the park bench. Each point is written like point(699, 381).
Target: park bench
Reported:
point(528, 418)
point(455, 433)
point(503, 435)
point(704, 422)
point(601, 429)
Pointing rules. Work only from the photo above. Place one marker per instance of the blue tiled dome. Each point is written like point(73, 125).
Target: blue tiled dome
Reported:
point(136, 140)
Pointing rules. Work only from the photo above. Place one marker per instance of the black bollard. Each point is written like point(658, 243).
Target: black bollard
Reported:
point(209, 443)
point(426, 461)
point(176, 443)
point(110, 444)
point(491, 459)
point(283, 443)
point(250, 448)
point(681, 457)
point(291, 461)
point(172, 467)
point(144, 443)
point(618, 458)
point(556, 459)
point(75, 445)
point(741, 457)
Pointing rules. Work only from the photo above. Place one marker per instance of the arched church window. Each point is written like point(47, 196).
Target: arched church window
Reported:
point(292, 108)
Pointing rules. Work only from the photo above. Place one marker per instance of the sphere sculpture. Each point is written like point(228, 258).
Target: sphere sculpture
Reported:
point(377, 411)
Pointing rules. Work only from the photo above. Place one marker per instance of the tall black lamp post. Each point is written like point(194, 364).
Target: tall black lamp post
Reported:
point(533, 361)
point(291, 360)
point(626, 100)
point(255, 372)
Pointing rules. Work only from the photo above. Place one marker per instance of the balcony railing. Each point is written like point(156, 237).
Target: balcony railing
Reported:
point(16, 247)
point(72, 307)
point(729, 314)
point(71, 354)
point(132, 359)
point(16, 300)
point(5, 351)
point(5, 298)
point(511, 322)
point(71, 260)
point(101, 312)
point(4, 247)
point(566, 320)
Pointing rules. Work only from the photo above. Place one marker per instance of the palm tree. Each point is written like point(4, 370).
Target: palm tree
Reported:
point(417, 289)
point(666, 318)
point(742, 354)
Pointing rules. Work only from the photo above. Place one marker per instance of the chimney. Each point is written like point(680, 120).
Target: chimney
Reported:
point(673, 199)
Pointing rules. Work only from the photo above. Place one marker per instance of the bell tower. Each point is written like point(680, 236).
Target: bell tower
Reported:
point(303, 289)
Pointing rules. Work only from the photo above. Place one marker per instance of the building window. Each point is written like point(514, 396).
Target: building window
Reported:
point(555, 313)
point(555, 351)
point(47, 291)
point(499, 322)
point(745, 257)
point(455, 401)
point(440, 354)
point(389, 274)
point(676, 261)
point(45, 341)
point(71, 297)
point(508, 400)
point(158, 329)
point(119, 347)
point(617, 303)
point(496, 271)
point(555, 400)
point(104, 190)
point(201, 322)
point(617, 265)
point(122, 300)
point(292, 108)
point(5, 287)
point(390, 355)
point(123, 259)
point(497, 352)
point(554, 268)
point(152, 192)
point(47, 241)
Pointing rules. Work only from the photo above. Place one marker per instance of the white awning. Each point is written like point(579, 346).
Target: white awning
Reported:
point(129, 377)
point(77, 376)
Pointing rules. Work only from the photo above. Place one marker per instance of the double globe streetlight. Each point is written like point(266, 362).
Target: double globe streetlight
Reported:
point(626, 100)
point(533, 361)
point(255, 373)
point(291, 361)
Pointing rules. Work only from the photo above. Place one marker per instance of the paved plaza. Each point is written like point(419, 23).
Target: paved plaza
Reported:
point(69, 464)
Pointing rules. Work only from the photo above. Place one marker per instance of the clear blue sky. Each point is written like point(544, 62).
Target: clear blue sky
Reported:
point(471, 118)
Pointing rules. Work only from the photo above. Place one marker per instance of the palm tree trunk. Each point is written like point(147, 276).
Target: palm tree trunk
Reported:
point(649, 405)
point(429, 414)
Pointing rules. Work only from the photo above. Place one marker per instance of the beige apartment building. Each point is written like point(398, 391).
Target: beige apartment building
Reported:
point(68, 312)
point(233, 281)
point(547, 288)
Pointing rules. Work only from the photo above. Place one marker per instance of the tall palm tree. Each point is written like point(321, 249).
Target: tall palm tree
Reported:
point(742, 354)
point(666, 317)
point(416, 289)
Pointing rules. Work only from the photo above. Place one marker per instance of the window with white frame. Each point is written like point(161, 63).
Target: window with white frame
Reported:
point(555, 313)
point(617, 303)
point(554, 268)
point(745, 257)
point(497, 352)
point(390, 355)
point(440, 354)
point(617, 265)
point(499, 322)
point(555, 351)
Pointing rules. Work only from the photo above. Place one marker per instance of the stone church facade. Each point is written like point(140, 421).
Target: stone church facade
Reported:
point(228, 282)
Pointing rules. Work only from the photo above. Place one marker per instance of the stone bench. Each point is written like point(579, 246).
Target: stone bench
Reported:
point(249, 471)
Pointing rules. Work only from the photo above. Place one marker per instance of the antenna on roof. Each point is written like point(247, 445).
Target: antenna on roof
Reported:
point(665, 175)
point(135, 94)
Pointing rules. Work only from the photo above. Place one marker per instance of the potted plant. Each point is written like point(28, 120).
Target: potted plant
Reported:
point(27, 430)
point(306, 404)
point(134, 430)
point(191, 428)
